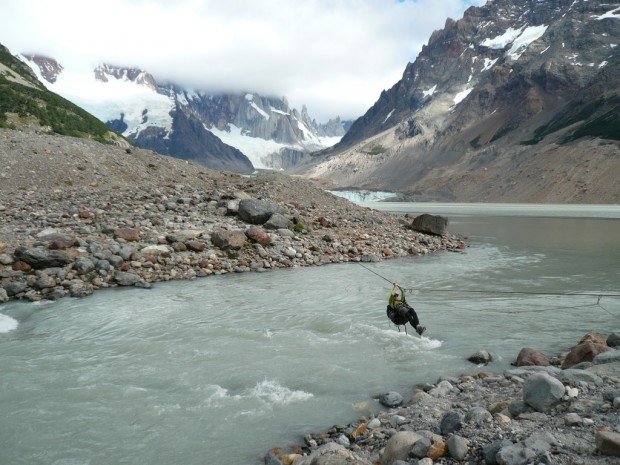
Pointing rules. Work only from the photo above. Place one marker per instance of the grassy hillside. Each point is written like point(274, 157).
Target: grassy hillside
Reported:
point(24, 98)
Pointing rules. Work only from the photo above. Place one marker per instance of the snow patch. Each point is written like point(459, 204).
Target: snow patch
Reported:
point(522, 42)
point(488, 63)
point(249, 97)
point(429, 92)
point(500, 41)
point(280, 112)
point(545, 49)
point(458, 98)
point(388, 117)
point(259, 110)
point(613, 45)
point(609, 14)
point(603, 64)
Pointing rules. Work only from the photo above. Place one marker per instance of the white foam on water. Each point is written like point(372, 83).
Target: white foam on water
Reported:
point(273, 392)
point(7, 323)
point(392, 335)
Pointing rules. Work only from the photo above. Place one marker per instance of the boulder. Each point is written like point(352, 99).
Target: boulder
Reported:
point(255, 211)
point(482, 356)
point(39, 258)
point(531, 357)
point(442, 389)
point(438, 449)
point(571, 376)
point(332, 454)
point(195, 246)
point(156, 250)
point(420, 448)
point(123, 278)
point(128, 234)
point(391, 399)
point(6, 259)
point(431, 224)
point(457, 447)
point(584, 352)
point(607, 357)
point(44, 282)
point(593, 337)
point(227, 239)
point(278, 221)
point(398, 447)
point(478, 416)
point(259, 235)
point(492, 449)
point(608, 443)
point(80, 289)
point(613, 340)
point(84, 265)
point(572, 419)
point(60, 241)
point(515, 455)
point(4, 296)
point(452, 421)
point(13, 288)
point(542, 392)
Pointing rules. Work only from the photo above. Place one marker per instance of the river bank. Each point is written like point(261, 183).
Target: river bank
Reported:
point(563, 409)
point(75, 240)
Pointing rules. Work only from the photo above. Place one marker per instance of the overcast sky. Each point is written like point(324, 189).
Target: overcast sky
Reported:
point(334, 55)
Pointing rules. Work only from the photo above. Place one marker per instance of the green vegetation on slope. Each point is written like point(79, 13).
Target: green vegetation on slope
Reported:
point(51, 110)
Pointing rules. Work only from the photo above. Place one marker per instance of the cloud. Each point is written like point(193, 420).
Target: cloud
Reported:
point(335, 55)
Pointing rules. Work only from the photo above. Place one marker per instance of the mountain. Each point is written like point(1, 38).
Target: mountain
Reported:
point(216, 130)
point(517, 101)
point(26, 104)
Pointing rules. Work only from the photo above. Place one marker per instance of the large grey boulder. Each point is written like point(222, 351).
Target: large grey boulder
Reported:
point(13, 288)
point(457, 447)
point(80, 289)
point(255, 211)
point(420, 448)
point(482, 356)
point(123, 278)
point(39, 258)
point(431, 224)
point(542, 392)
point(399, 446)
point(451, 422)
point(332, 454)
point(391, 399)
point(278, 221)
point(226, 239)
point(607, 357)
point(571, 376)
point(490, 451)
point(84, 265)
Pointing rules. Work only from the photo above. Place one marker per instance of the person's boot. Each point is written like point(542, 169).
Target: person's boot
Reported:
point(420, 329)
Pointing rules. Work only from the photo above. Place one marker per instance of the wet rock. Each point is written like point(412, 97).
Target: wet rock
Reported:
point(39, 258)
point(531, 357)
point(399, 446)
point(225, 239)
point(482, 356)
point(391, 399)
point(80, 289)
point(255, 211)
point(584, 352)
point(453, 421)
point(490, 451)
point(457, 447)
point(128, 234)
point(431, 224)
point(4, 296)
point(607, 357)
point(125, 279)
point(613, 340)
point(608, 443)
point(542, 392)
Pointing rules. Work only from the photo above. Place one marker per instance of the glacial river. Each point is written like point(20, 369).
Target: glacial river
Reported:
point(218, 370)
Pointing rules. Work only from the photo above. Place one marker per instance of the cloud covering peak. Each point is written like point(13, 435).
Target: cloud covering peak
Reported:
point(336, 56)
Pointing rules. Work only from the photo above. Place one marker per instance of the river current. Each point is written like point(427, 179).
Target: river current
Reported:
point(219, 370)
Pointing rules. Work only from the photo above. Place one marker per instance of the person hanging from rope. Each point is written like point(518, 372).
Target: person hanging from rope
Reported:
point(400, 312)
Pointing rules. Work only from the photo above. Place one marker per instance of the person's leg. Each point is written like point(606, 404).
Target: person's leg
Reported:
point(412, 316)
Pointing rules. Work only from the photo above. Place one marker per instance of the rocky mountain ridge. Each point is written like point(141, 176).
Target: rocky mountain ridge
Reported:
point(500, 105)
point(192, 124)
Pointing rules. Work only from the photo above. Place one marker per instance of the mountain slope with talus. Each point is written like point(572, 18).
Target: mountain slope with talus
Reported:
point(517, 101)
point(234, 131)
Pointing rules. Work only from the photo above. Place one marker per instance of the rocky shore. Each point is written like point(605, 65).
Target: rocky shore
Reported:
point(77, 216)
point(546, 410)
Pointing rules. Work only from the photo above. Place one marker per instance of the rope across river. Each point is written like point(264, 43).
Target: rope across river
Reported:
point(598, 295)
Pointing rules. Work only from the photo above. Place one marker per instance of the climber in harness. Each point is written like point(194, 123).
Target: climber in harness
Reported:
point(400, 312)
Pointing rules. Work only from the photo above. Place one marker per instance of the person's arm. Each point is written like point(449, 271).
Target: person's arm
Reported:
point(402, 295)
point(391, 301)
